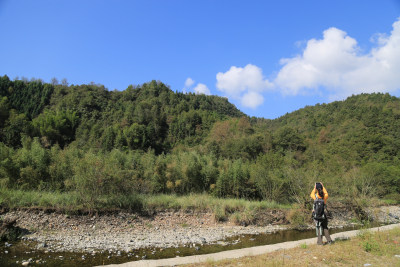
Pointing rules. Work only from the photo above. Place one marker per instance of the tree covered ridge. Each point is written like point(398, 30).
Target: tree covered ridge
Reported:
point(362, 128)
point(148, 139)
point(140, 117)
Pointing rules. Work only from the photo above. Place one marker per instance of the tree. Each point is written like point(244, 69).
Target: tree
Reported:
point(5, 83)
point(64, 82)
point(4, 110)
point(57, 127)
point(135, 136)
point(14, 128)
point(289, 139)
point(54, 81)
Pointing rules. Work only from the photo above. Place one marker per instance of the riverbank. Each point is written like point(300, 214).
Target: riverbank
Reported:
point(124, 232)
point(378, 246)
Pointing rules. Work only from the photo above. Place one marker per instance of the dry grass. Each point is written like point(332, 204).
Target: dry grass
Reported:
point(377, 249)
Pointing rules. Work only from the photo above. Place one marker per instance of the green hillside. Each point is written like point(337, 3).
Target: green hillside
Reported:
point(140, 117)
point(361, 128)
point(147, 139)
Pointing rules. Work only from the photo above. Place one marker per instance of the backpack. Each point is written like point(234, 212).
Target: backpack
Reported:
point(318, 213)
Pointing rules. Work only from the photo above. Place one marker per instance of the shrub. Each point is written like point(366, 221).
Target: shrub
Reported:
point(368, 241)
point(298, 217)
point(219, 213)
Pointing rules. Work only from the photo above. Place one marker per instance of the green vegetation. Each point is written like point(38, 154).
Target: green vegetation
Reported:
point(237, 210)
point(92, 148)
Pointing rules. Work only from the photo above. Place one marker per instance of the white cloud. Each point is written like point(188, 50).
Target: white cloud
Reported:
point(252, 100)
point(189, 82)
point(243, 83)
point(336, 63)
point(201, 89)
point(237, 80)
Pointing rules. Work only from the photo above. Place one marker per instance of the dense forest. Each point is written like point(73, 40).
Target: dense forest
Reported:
point(148, 139)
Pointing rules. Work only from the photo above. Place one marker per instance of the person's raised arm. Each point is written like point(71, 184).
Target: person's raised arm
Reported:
point(325, 194)
point(312, 195)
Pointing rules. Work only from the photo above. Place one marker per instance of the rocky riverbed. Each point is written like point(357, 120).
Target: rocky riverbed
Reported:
point(121, 231)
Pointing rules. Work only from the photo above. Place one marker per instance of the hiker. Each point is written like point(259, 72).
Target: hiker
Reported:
point(320, 195)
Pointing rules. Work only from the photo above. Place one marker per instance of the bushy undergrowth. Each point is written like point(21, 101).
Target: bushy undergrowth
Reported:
point(299, 217)
point(91, 175)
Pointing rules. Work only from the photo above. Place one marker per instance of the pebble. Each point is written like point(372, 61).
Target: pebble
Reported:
point(42, 245)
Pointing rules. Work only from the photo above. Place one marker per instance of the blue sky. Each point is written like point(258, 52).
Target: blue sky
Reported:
point(267, 57)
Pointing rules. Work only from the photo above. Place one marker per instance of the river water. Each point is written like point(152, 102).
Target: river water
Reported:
point(14, 254)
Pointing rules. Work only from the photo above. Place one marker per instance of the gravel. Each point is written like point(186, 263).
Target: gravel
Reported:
point(127, 231)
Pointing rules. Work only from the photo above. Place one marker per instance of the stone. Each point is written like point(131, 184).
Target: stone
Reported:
point(42, 245)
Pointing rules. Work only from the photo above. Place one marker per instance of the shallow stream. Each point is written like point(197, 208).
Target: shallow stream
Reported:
point(14, 254)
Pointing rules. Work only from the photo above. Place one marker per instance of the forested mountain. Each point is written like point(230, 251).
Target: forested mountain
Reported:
point(149, 139)
point(361, 128)
point(140, 117)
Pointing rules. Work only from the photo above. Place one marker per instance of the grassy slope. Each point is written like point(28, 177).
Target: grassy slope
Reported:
point(377, 249)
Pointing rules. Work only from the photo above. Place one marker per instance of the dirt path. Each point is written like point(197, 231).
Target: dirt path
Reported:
point(238, 253)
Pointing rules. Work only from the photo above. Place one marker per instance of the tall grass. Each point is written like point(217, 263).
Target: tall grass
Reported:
point(238, 210)
point(24, 199)
point(70, 201)
point(205, 202)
